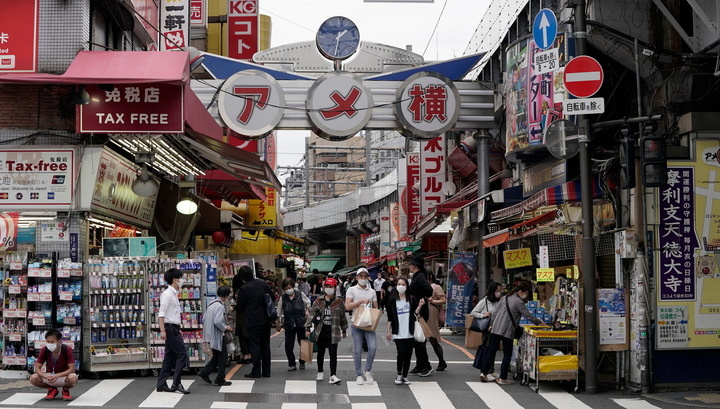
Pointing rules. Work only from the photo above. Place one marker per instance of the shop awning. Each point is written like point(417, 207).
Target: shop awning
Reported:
point(521, 228)
point(496, 239)
point(326, 265)
point(115, 67)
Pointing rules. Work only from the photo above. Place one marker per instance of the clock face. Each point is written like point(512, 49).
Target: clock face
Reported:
point(338, 38)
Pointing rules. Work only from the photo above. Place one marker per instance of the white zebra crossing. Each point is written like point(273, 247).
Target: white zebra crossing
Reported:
point(101, 393)
point(494, 395)
point(164, 399)
point(23, 399)
point(634, 404)
point(430, 395)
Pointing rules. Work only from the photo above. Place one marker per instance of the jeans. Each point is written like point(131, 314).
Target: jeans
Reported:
point(358, 335)
point(218, 360)
point(492, 348)
point(175, 356)
point(404, 355)
point(290, 335)
point(259, 342)
point(322, 344)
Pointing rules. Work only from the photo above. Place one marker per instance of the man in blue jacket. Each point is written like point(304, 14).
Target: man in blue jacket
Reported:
point(251, 302)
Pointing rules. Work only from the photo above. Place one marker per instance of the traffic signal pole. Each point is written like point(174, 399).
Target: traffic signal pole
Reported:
point(588, 246)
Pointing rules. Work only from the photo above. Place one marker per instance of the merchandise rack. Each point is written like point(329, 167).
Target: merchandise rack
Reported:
point(538, 365)
point(15, 312)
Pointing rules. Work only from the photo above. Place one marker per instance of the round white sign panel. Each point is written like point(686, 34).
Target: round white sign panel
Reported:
point(428, 104)
point(251, 103)
point(339, 105)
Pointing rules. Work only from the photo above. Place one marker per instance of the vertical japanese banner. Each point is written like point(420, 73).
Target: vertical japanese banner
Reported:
point(460, 287)
point(542, 108)
point(385, 231)
point(394, 223)
point(19, 36)
point(243, 29)
point(432, 173)
point(8, 231)
point(271, 151)
point(198, 13)
point(174, 24)
point(262, 213)
point(411, 195)
point(516, 133)
point(366, 253)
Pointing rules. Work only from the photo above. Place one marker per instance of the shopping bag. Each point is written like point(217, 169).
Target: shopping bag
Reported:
point(363, 311)
point(473, 339)
point(418, 333)
point(306, 351)
point(480, 324)
point(228, 337)
point(206, 349)
point(425, 327)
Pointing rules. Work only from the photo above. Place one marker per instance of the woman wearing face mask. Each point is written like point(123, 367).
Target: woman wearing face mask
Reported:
point(328, 315)
point(485, 308)
point(292, 312)
point(401, 324)
point(503, 328)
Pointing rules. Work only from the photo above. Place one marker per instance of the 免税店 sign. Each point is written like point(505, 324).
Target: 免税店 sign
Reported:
point(517, 258)
point(135, 108)
point(36, 178)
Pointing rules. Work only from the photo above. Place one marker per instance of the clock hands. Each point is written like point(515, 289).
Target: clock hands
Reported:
point(337, 40)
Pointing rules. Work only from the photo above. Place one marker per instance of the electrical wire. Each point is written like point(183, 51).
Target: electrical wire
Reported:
point(435, 28)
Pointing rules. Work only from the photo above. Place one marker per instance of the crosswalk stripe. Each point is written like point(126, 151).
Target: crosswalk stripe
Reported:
point(164, 399)
point(363, 390)
point(430, 395)
point(378, 405)
point(101, 393)
point(493, 395)
point(634, 404)
point(238, 387)
point(299, 406)
point(23, 399)
point(301, 387)
point(560, 398)
point(229, 405)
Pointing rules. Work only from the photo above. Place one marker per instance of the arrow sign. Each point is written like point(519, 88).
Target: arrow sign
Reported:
point(544, 29)
point(583, 76)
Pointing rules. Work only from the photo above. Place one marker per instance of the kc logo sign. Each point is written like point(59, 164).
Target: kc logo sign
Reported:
point(243, 29)
point(251, 103)
point(339, 105)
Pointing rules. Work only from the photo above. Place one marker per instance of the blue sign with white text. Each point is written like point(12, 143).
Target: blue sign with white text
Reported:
point(545, 28)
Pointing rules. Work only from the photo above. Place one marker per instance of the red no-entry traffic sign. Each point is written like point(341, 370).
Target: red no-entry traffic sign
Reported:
point(583, 76)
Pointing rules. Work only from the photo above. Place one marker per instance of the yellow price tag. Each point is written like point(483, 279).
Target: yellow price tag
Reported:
point(545, 274)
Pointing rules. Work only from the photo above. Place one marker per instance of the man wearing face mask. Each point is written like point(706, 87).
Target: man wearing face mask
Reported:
point(292, 312)
point(357, 295)
point(59, 365)
point(169, 323)
point(420, 289)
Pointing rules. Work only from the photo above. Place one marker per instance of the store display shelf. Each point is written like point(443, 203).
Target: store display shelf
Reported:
point(117, 307)
point(116, 325)
point(116, 291)
point(102, 358)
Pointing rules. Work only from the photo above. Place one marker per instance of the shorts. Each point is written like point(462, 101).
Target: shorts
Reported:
point(58, 382)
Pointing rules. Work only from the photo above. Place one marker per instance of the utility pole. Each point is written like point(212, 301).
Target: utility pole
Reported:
point(368, 158)
point(483, 181)
point(588, 254)
point(307, 171)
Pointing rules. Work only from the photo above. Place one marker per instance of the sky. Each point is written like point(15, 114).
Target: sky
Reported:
point(396, 24)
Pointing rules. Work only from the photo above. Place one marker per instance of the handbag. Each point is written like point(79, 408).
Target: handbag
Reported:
point(364, 319)
point(441, 316)
point(228, 337)
point(518, 328)
point(418, 332)
point(306, 351)
point(480, 324)
point(270, 305)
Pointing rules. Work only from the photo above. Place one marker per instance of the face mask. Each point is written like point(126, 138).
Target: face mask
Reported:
point(289, 291)
point(411, 275)
point(51, 347)
point(498, 294)
point(363, 282)
point(401, 289)
point(181, 282)
point(522, 297)
point(329, 291)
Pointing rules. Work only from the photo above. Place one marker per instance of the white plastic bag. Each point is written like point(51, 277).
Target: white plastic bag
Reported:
point(365, 319)
point(418, 333)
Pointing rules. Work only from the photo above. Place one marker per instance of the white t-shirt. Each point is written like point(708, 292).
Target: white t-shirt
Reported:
point(403, 318)
point(356, 293)
point(378, 283)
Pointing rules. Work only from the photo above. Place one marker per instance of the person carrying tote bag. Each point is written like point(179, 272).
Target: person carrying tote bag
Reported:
point(401, 326)
point(507, 314)
point(484, 310)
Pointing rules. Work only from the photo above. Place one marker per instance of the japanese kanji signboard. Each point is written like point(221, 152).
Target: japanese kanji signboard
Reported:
point(134, 108)
point(36, 178)
point(517, 258)
point(339, 105)
point(19, 36)
point(432, 173)
point(198, 13)
point(243, 29)
point(174, 24)
point(411, 195)
point(429, 104)
point(251, 103)
point(263, 213)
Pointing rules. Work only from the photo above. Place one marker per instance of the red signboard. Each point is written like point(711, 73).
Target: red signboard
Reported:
point(133, 108)
point(271, 151)
point(198, 13)
point(432, 173)
point(18, 35)
point(243, 29)
point(412, 206)
point(366, 252)
point(583, 76)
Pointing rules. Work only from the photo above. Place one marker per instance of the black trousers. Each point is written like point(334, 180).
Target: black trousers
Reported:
point(322, 345)
point(259, 343)
point(217, 361)
point(404, 355)
point(175, 356)
point(291, 334)
point(421, 356)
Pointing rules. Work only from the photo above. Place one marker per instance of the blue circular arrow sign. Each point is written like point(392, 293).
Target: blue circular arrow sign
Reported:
point(545, 29)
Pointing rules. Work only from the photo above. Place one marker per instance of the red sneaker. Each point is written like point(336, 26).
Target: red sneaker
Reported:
point(66, 394)
point(52, 393)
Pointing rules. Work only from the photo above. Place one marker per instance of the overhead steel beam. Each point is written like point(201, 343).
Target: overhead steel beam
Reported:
point(659, 4)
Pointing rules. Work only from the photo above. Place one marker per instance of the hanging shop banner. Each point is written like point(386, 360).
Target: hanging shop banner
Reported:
point(394, 223)
point(688, 278)
point(517, 258)
point(37, 178)
point(543, 106)
point(198, 13)
point(432, 173)
point(113, 195)
point(174, 24)
point(516, 133)
point(385, 231)
point(262, 213)
point(19, 36)
point(149, 16)
point(460, 288)
point(135, 108)
point(271, 151)
point(243, 29)
point(9, 231)
point(411, 195)
point(366, 252)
